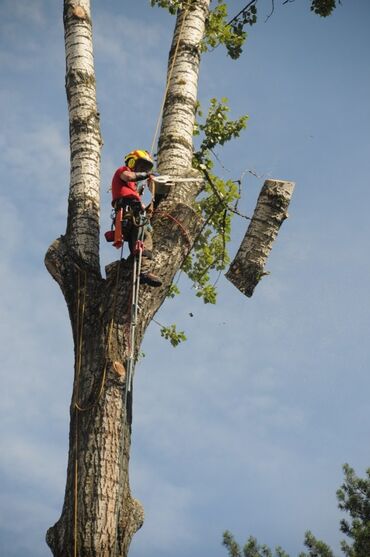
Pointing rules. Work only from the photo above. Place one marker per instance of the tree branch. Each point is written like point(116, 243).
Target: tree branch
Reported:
point(84, 129)
point(247, 269)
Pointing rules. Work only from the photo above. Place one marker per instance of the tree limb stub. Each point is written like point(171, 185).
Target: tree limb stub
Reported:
point(247, 268)
point(79, 12)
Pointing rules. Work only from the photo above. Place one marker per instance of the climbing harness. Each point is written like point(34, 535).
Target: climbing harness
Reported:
point(123, 217)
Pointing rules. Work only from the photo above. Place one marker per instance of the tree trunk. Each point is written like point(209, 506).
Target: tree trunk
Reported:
point(175, 146)
point(271, 210)
point(99, 515)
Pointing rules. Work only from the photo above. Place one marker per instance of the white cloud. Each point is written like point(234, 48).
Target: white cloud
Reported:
point(38, 155)
point(117, 39)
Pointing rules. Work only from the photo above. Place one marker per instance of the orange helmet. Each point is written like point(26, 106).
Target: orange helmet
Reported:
point(138, 155)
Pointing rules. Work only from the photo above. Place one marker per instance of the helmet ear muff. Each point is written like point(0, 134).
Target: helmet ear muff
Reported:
point(131, 163)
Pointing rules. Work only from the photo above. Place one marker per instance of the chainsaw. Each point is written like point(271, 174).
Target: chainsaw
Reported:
point(164, 182)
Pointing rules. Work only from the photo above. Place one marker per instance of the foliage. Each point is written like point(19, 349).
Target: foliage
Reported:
point(170, 333)
point(209, 252)
point(250, 549)
point(231, 34)
point(172, 5)
point(218, 29)
point(316, 548)
point(173, 291)
point(354, 498)
point(217, 128)
point(210, 248)
point(323, 7)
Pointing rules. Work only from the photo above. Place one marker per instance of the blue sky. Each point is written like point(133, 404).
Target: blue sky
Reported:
point(246, 425)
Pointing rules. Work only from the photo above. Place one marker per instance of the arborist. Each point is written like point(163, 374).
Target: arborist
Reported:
point(126, 195)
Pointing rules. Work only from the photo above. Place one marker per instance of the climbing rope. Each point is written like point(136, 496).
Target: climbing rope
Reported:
point(183, 230)
point(136, 270)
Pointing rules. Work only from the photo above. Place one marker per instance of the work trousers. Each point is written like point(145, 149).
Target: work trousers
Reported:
point(131, 232)
point(132, 235)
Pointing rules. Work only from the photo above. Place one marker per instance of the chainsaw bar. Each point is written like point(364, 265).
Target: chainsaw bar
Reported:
point(165, 179)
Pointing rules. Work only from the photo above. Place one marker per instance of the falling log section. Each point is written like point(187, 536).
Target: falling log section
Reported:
point(271, 210)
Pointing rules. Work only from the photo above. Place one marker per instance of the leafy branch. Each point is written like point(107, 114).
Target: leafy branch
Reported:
point(216, 201)
point(171, 333)
point(229, 33)
point(173, 5)
point(323, 8)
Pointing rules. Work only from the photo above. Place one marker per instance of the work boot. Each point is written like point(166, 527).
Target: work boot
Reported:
point(150, 279)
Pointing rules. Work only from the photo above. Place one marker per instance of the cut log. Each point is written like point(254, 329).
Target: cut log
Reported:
point(271, 210)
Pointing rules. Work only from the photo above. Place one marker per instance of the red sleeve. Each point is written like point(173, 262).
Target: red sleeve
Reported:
point(117, 183)
point(120, 188)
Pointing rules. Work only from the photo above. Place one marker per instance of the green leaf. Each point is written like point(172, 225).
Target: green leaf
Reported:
point(175, 337)
point(173, 291)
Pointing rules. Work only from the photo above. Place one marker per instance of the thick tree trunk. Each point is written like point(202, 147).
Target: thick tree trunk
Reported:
point(99, 515)
point(271, 210)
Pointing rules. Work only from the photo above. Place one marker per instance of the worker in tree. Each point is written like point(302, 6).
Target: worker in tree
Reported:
point(126, 195)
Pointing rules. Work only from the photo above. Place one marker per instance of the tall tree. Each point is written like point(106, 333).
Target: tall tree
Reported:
point(99, 515)
point(353, 497)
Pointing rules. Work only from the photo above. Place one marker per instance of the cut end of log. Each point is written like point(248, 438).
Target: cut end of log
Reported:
point(274, 181)
point(119, 368)
point(79, 12)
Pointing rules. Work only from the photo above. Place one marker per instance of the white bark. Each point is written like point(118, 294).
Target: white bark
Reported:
point(85, 139)
point(106, 516)
point(175, 147)
point(99, 515)
point(271, 210)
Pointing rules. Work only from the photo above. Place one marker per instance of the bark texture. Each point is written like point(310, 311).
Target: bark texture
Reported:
point(84, 130)
point(99, 515)
point(175, 146)
point(271, 210)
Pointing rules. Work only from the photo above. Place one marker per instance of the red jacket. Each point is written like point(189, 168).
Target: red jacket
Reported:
point(120, 188)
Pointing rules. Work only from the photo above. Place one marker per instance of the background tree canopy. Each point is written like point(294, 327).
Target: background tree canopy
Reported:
point(353, 498)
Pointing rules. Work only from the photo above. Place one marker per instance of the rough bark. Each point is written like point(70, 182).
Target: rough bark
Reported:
point(99, 515)
point(175, 146)
point(93, 520)
point(247, 268)
point(84, 130)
